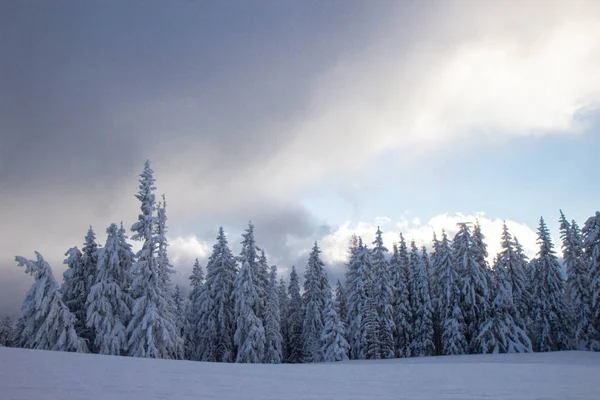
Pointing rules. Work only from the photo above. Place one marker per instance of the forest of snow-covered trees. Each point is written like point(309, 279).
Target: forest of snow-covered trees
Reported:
point(400, 303)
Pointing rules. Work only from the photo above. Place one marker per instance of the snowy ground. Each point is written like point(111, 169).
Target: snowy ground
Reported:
point(32, 374)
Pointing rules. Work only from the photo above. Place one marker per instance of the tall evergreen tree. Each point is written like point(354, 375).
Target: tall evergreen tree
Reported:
point(422, 341)
point(402, 308)
point(385, 297)
point(46, 322)
point(591, 242)
point(74, 287)
point(152, 332)
point(506, 335)
point(341, 304)
point(577, 288)
point(274, 339)
point(192, 314)
point(109, 305)
point(474, 299)
point(550, 317)
point(215, 305)
point(316, 290)
point(295, 319)
point(7, 333)
point(356, 298)
point(259, 267)
point(249, 335)
point(283, 318)
point(334, 346)
point(514, 270)
point(179, 302)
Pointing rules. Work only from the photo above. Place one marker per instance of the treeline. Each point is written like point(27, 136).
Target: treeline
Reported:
point(403, 303)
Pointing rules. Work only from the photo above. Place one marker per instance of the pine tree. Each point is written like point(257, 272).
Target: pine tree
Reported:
point(7, 333)
point(274, 339)
point(447, 288)
point(179, 302)
point(385, 297)
point(215, 305)
point(109, 306)
point(550, 317)
point(295, 318)
point(283, 318)
point(591, 242)
point(356, 299)
point(422, 340)
point(526, 302)
point(90, 255)
point(402, 308)
point(151, 330)
point(341, 304)
point(507, 335)
point(474, 299)
point(46, 322)
point(513, 267)
point(316, 290)
point(577, 288)
point(249, 253)
point(74, 287)
point(334, 346)
point(249, 336)
point(192, 314)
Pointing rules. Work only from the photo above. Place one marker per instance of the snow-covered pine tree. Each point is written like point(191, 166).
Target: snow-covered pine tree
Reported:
point(334, 346)
point(385, 297)
point(274, 339)
point(427, 264)
point(422, 340)
point(263, 280)
point(591, 243)
point(402, 308)
point(192, 314)
point(550, 316)
point(179, 302)
point(7, 332)
point(74, 287)
point(356, 298)
point(90, 255)
point(316, 290)
point(474, 299)
point(513, 269)
point(507, 335)
point(295, 319)
point(45, 322)
point(341, 303)
point(165, 271)
point(109, 306)
point(151, 331)
point(283, 317)
point(259, 273)
point(525, 305)
point(249, 335)
point(577, 287)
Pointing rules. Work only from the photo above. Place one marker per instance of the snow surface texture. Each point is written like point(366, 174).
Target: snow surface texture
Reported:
point(36, 374)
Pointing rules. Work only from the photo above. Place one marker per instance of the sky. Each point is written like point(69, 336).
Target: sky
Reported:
point(315, 120)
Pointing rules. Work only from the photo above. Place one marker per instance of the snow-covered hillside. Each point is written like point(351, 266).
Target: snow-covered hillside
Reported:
point(34, 374)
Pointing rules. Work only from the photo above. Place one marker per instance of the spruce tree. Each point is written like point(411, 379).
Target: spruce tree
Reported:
point(422, 340)
point(526, 302)
point(295, 319)
point(356, 298)
point(274, 339)
point(45, 322)
point(577, 288)
point(191, 334)
point(7, 333)
point(341, 304)
point(507, 335)
point(283, 318)
point(402, 308)
point(109, 305)
point(250, 254)
point(334, 346)
point(474, 298)
point(151, 331)
point(249, 336)
point(74, 287)
point(316, 290)
point(550, 317)
point(385, 297)
point(591, 242)
point(179, 302)
point(214, 305)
